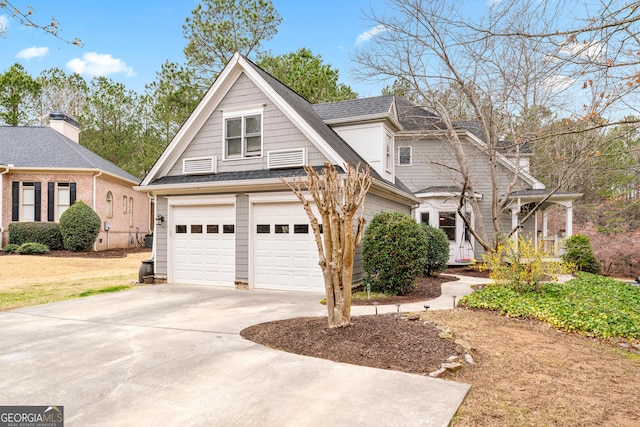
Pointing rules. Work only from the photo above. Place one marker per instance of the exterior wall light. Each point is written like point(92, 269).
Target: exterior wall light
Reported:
point(159, 219)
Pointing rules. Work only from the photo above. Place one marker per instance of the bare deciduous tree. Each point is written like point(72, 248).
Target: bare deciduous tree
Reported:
point(338, 199)
point(514, 76)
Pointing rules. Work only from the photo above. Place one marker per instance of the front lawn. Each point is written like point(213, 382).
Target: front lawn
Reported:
point(589, 304)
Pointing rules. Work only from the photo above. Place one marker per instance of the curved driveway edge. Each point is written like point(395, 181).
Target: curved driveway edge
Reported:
point(172, 355)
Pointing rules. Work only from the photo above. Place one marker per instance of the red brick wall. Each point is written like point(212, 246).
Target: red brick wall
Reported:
point(121, 231)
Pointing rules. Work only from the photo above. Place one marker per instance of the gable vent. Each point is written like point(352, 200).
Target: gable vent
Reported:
point(199, 165)
point(287, 158)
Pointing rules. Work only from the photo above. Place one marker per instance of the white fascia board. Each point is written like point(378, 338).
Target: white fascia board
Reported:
point(366, 119)
point(195, 121)
point(292, 115)
point(72, 171)
point(445, 195)
point(235, 186)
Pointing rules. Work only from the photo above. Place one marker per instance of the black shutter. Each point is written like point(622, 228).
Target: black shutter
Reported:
point(72, 193)
point(38, 207)
point(15, 201)
point(51, 201)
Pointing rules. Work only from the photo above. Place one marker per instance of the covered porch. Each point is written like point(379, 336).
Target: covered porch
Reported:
point(548, 205)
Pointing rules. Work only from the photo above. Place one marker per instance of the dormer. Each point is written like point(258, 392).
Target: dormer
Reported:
point(368, 125)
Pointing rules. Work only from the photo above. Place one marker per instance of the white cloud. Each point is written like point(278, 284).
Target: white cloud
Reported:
point(591, 51)
point(369, 34)
point(95, 64)
point(33, 52)
point(557, 83)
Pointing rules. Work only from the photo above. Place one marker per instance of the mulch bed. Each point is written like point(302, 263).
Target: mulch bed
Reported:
point(387, 341)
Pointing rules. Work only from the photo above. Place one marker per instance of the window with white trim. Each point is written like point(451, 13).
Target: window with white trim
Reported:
point(63, 198)
point(388, 152)
point(130, 211)
point(404, 156)
point(243, 134)
point(447, 223)
point(27, 201)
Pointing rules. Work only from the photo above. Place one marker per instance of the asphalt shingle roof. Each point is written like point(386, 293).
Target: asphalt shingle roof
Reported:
point(354, 107)
point(44, 147)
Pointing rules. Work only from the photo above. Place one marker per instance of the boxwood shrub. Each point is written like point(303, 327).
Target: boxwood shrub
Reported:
point(10, 248)
point(46, 233)
point(80, 226)
point(437, 250)
point(32, 248)
point(580, 254)
point(394, 251)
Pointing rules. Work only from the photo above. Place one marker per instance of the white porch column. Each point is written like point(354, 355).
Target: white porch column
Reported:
point(545, 223)
point(569, 221)
point(514, 223)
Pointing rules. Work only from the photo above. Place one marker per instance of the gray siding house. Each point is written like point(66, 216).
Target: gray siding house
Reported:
point(223, 217)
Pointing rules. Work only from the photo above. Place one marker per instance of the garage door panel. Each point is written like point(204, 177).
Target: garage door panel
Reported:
point(284, 259)
point(202, 256)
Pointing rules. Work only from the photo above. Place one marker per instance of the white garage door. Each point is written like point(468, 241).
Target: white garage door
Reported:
point(285, 254)
point(203, 244)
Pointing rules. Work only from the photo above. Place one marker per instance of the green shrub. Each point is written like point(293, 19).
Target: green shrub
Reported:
point(394, 250)
point(80, 226)
point(437, 250)
point(589, 304)
point(47, 233)
point(32, 248)
point(580, 254)
point(11, 248)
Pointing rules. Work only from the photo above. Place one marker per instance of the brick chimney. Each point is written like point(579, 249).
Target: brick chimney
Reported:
point(66, 124)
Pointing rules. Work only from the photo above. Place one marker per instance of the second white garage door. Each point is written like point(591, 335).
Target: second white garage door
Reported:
point(285, 253)
point(203, 244)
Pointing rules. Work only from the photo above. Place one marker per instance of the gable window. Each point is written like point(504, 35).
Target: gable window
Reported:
point(404, 156)
point(109, 204)
point(447, 223)
point(243, 134)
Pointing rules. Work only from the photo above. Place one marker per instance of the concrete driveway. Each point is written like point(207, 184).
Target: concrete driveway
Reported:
point(170, 355)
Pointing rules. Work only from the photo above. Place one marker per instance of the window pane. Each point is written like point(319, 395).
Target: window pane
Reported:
point(252, 125)
point(448, 224)
point(424, 217)
point(63, 197)
point(404, 155)
point(263, 228)
point(228, 228)
point(28, 196)
point(234, 128)
point(234, 147)
point(254, 145)
point(281, 228)
point(300, 228)
point(196, 228)
point(212, 228)
point(181, 229)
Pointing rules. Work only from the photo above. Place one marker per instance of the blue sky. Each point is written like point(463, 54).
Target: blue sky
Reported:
point(129, 40)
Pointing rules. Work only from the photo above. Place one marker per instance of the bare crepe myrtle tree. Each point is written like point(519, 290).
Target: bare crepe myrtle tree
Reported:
point(339, 201)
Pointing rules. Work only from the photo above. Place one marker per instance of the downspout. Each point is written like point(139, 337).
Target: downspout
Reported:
point(95, 203)
point(6, 169)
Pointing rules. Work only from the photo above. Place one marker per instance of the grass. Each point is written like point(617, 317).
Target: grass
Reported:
point(589, 304)
point(44, 293)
